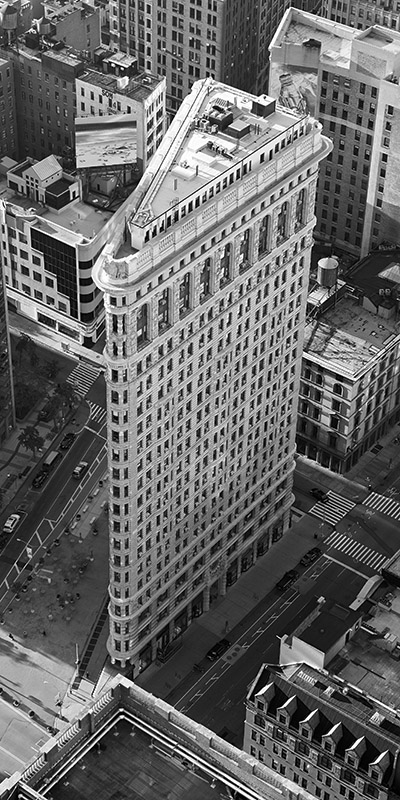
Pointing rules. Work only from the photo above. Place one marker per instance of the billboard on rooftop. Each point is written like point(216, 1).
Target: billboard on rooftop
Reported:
point(106, 141)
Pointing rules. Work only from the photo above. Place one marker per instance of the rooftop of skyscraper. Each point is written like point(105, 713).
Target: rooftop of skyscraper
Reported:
point(219, 136)
point(215, 129)
point(330, 41)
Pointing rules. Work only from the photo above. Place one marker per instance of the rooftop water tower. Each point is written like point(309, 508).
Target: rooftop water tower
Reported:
point(9, 21)
point(328, 271)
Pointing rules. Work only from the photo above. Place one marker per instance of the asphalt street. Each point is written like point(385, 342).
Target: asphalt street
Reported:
point(216, 698)
point(47, 511)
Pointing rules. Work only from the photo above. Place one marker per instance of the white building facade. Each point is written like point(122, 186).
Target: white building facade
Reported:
point(49, 241)
point(205, 310)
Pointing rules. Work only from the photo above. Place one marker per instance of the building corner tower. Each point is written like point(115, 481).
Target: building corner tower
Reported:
point(205, 292)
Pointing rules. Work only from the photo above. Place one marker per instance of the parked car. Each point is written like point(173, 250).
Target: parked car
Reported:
point(287, 580)
point(80, 469)
point(319, 495)
point(218, 650)
point(41, 477)
point(67, 441)
point(310, 557)
point(12, 522)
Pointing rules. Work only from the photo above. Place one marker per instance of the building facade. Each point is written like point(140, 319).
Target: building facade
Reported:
point(45, 98)
point(329, 737)
point(362, 14)
point(49, 242)
point(350, 378)
point(315, 66)
point(185, 41)
point(8, 118)
point(140, 95)
point(7, 405)
point(205, 305)
point(76, 23)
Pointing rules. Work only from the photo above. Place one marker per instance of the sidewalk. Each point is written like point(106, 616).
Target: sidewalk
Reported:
point(52, 615)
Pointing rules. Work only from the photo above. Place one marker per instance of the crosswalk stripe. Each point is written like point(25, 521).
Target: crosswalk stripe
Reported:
point(355, 549)
point(330, 512)
point(383, 504)
point(83, 376)
point(97, 413)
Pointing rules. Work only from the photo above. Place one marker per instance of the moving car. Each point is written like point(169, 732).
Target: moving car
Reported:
point(319, 495)
point(218, 650)
point(80, 469)
point(287, 580)
point(67, 441)
point(310, 556)
point(41, 477)
point(12, 522)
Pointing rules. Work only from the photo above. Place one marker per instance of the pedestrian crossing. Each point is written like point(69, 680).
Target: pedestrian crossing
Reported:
point(97, 413)
point(357, 550)
point(385, 505)
point(82, 377)
point(334, 510)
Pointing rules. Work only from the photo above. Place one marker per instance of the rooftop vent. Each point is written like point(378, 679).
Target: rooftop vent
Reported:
point(263, 106)
point(312, 43)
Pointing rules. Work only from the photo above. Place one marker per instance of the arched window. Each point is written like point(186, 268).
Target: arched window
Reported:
point(184, 294)
point(143, 325)
point(244, 250)
point(300, 207)
point(263, 236)
point(225, 265)
point(205, 280)
point(283, 221)
point(163, 310)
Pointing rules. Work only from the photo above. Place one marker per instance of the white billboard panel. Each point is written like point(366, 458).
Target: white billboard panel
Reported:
point(105, 141)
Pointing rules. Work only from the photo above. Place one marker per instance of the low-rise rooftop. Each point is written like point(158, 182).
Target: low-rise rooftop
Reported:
point(138, 88)
point(370, 660)
point(56, 10)
point(128, 743)
point(80, 220)
point(348, 335)
point(333, 38)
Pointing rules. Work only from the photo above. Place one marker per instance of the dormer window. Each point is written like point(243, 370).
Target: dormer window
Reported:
point(328, 747)
point(305, 732)
point(282, 719)
point(375, 775)
point(351, 761)
point(260, 705)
